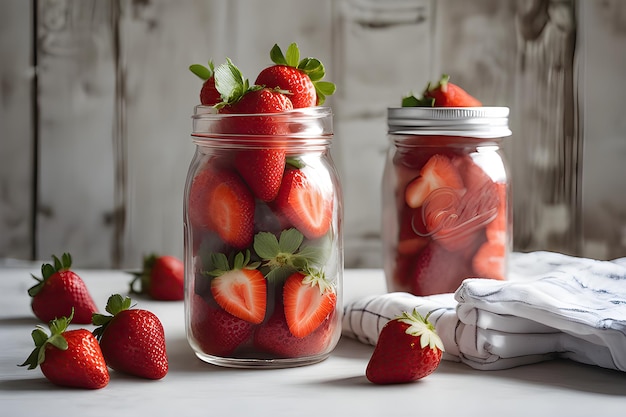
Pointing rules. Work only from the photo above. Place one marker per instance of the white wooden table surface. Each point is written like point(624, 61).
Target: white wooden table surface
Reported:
point(335, 387)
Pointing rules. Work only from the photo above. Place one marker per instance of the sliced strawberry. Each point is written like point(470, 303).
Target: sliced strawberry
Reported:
point(489, 261)
point(304, 204)
point(241, 289)
point(262, 169)
point(275, 338)
point(453, 217)
point(216, 331)
point(308, 300)
point(230, 209)
point(438, 270)
point(438, 172)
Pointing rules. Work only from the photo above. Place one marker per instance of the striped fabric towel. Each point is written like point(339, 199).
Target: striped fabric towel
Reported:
point(552, 306)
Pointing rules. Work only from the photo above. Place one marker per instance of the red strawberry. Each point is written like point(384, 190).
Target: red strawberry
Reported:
point(488, 262)
point(306, 206)
point(70, 358)
point(241, 289)
point(300, 77)
point(60, 291)
point(309, 300)
point(275, 337)
point(246, 102)
point(262, 169)
point(261, 166)
point(162, 278)
point(408, 349)
point(132, 340)
point(446, 94)
point(438, 270)
point(220, 201)
point(216, 331)
point(209, 96)
point(438, 172)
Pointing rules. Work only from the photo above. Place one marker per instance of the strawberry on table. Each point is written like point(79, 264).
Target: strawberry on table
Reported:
point(132, 340)
point(408, 349)
point(301, 78)
point(240, 288)
point(61, 291)
point(209, 96)
point(69, 358)
point(309, 299)
point(304, 204)
point(162, 278)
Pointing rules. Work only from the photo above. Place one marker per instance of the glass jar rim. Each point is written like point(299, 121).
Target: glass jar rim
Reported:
point(303, 123)
point(478, 122)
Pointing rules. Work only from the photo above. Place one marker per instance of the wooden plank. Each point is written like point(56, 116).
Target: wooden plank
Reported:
point(379, 50)
point(16, 130)
point(159, 41)
point(76, 100)
point(602, 49)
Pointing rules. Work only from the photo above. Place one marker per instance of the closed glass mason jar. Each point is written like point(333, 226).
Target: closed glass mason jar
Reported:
point(263, 240)
point(446, 212)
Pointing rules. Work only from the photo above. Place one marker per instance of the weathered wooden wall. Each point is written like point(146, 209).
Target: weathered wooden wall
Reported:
point(96, 101)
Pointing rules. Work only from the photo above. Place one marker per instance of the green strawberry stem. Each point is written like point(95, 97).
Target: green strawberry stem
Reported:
point(115, 304)
point(310, 66)
point(423, 101)
point(47, 270)
point(143, 277)
point(41, 339)
point(286, 254)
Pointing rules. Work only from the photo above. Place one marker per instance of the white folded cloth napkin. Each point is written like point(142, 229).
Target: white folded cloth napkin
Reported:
point(552, 306)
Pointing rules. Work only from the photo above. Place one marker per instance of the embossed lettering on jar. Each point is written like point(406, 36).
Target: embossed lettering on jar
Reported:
point(445, 212)
point(263, 239)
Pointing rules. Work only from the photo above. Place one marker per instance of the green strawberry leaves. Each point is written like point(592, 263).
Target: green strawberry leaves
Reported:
point(47, 270)
point(222, 264)
point(287, 254)
point(41, 339)
point(201, 71)
point(115, 304)
point(276, 257)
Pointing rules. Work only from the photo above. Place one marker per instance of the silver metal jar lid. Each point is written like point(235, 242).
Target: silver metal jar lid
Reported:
point(479, 122)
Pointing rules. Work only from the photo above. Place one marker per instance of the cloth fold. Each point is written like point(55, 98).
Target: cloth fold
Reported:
point(552, 306)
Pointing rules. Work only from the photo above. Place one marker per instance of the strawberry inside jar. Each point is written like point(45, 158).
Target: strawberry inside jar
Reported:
point(262, 219)
point(446, 212)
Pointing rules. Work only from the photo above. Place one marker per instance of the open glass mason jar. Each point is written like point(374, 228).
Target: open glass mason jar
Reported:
point(263, 240)
point(446, 212)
